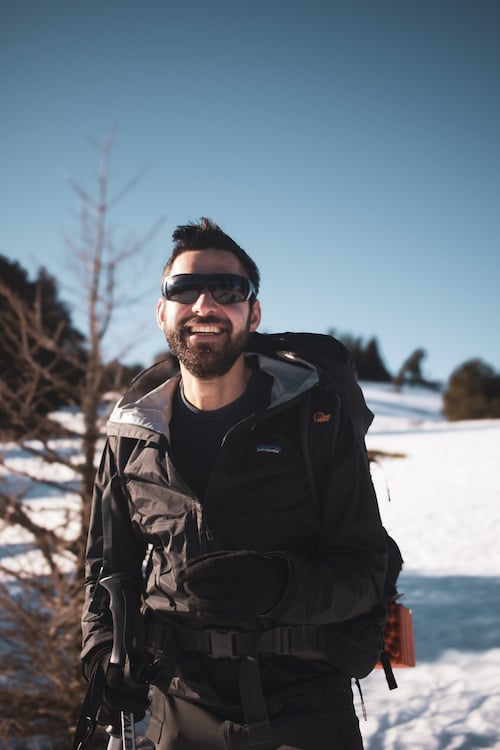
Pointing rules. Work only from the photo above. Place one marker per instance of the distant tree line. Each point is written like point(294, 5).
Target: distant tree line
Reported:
point(43, 360)
point(366, 356)
point(370, 364)
point(42, 355)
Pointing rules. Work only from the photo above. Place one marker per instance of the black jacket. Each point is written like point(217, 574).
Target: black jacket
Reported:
point(258, 498)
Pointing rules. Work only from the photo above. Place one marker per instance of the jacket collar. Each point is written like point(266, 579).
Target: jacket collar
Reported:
point(147, 402)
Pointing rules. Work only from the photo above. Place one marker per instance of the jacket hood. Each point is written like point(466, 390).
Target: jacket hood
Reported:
point(147, 402)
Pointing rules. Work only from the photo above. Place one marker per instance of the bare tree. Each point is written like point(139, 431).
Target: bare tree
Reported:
point(40, 684)
point(100, 262)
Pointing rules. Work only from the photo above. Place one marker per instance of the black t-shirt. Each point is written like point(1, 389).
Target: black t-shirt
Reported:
point(196, 434)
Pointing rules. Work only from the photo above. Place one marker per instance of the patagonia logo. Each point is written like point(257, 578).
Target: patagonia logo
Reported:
point(268, 448)
point(319, 417)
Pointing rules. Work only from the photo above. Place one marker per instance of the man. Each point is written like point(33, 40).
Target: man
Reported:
point(203, 502)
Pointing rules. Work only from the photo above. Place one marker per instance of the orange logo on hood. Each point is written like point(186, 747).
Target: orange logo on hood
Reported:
point(320, 416)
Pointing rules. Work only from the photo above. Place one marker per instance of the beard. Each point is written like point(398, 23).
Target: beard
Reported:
point(206, 361)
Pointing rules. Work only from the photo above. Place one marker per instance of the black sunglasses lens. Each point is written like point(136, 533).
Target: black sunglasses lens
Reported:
point(183, 289)
point(226, 289)
point(230, 289)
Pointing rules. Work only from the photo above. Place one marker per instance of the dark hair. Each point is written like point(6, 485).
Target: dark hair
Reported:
point(206, 234)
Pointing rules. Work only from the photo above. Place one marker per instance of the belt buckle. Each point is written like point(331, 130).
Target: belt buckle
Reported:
point(222, 644)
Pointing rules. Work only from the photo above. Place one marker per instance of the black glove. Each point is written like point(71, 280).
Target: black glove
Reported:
point(121, 692)
point(230, 588)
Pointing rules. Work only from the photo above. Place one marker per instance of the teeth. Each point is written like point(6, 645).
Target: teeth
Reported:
point(205, 329)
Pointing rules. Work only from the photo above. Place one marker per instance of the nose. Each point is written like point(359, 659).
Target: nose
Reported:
point(205, 303)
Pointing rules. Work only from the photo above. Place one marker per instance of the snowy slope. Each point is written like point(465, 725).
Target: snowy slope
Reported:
point(445, 513)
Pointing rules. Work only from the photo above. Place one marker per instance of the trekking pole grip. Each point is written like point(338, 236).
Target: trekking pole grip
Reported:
point(114, 585)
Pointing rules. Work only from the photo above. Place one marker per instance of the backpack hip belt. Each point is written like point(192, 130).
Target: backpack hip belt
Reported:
point(304, 641)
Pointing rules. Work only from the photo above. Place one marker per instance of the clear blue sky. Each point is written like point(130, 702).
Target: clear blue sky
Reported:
point(351, 147)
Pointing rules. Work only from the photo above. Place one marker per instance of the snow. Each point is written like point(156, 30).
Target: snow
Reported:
point(444, 510)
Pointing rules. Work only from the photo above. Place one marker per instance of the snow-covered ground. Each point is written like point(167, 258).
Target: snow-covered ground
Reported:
point(445, 513)
point(444, 483)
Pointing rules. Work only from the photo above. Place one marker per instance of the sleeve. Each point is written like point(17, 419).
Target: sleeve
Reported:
point(111, 547)
point(345, 577)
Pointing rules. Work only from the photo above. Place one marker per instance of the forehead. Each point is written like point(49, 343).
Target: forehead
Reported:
point(206, 261)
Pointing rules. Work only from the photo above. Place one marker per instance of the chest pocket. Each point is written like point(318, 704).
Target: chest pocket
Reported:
point(161, 506)
point(258, 492)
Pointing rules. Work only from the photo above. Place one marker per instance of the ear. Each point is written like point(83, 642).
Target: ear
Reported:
point(160, 313)
point(255, 316)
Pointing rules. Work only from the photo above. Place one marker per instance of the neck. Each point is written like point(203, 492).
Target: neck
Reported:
point(218, 391)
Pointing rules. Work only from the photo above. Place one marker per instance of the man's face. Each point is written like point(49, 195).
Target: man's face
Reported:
point(205, 336)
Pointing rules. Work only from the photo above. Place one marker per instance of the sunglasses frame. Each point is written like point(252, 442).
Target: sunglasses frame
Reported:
point(201, 281)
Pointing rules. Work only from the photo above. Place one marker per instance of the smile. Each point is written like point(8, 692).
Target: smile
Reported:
point(205, 330)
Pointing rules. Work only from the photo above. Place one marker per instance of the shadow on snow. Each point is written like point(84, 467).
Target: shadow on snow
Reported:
point(452, 612)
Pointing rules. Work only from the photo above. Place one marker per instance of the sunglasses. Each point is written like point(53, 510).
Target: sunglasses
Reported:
point(225, 288)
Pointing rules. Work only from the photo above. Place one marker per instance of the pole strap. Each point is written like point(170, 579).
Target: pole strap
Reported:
point(87, 721)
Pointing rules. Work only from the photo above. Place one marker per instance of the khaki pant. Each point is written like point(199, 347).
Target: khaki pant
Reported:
point(179, 725)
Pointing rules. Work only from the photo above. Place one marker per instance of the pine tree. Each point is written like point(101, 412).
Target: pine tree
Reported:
point(473, 392)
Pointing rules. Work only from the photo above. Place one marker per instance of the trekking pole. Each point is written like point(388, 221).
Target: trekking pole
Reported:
point(126, 739)
point(115, 585)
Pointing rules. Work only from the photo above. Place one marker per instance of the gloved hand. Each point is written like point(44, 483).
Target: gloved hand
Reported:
point(230, 588)
point(120, 693)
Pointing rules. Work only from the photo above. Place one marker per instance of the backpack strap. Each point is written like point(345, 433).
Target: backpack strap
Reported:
point(305, 432)
point(387, 667)
point(315, 456)
point(253, 704)
point(304, 429)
